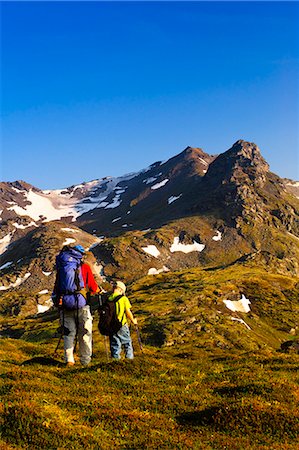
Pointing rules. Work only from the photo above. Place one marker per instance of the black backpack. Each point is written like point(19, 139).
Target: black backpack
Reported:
point(108, 321)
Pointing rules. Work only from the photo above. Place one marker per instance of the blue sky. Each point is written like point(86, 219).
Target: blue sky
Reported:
point(91, 89)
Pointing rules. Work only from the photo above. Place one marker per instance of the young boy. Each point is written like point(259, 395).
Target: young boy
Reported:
point(123, 312)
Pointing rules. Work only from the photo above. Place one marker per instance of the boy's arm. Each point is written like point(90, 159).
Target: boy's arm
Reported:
point(130, 316)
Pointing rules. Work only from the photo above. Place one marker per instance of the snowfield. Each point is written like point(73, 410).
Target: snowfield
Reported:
point(56, 204)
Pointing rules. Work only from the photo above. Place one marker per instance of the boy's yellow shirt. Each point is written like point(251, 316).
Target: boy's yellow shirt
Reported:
point(121, 305)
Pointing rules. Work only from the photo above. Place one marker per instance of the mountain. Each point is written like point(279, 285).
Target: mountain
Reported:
point(238, 209)
point(103, 206)
point(208, 247)
point(194, 210)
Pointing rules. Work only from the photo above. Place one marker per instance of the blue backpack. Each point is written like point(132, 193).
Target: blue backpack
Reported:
point(70, 284)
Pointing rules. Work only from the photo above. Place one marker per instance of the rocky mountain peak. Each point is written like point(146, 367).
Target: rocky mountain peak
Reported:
point(241, 164)
point(194, 153)
point(22, 185)
point(191, 161)
point(248, 153)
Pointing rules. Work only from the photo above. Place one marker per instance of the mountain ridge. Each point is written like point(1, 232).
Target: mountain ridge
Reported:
point(194, 210)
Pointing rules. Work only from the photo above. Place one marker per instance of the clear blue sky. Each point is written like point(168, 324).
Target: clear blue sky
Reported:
point(91, 89)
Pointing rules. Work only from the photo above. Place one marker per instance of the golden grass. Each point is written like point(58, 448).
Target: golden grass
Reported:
point(202, 382)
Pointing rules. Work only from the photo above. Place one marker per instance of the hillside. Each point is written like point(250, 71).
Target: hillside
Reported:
point(208, 248)
point(194, 210)
point(207, 377)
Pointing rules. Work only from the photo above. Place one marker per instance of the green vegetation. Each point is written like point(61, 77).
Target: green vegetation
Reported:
point(165, 398)
point(203, 380)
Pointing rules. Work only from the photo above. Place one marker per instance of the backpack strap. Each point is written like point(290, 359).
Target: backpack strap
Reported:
point(115, 300)
point(82, 291)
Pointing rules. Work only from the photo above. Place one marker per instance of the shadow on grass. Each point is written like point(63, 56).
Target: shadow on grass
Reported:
point(139, 367)
point(153, 332)
point(184, 355)
point(259, 418)
point(248, 389)
point(44, 361)
point(198, 418)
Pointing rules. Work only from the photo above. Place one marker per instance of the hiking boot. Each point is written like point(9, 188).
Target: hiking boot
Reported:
point(70, 363)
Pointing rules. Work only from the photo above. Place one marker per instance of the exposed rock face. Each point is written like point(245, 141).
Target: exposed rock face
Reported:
point(242, 163)
point(233, 180)
point(13, 193)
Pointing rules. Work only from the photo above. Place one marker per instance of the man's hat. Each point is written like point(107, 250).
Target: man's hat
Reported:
point(79, 248)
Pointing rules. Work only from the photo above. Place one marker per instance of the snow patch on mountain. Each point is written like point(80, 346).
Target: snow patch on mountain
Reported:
point(22, 227)
point(150, 180)
point(241, 305)
point(4, 242)
point(203, 161)
point(177, 246)
point(45, 307)
point(115, 202)
point(102, 204)
point(71, 202)
point(154, 271)
point(7, 264)
point(44, 291)
point(69, 241)
point(17, 283)
point(218, 236)
point(173, 198)
point(161, 184)
point(151, 250)
point(71, 230)
point(42, 207)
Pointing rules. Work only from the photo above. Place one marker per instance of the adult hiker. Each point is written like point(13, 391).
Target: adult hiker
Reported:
point(123, 312)
point(74, 281)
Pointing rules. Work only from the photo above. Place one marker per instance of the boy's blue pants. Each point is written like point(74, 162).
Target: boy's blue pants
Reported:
point(121, 338)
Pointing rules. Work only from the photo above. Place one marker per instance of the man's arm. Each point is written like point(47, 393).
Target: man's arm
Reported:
point(89, 280)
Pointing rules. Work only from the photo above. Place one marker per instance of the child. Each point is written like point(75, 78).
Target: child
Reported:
point(123, 312)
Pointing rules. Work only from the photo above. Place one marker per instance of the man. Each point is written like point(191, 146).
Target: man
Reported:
point(74, 282)
point(123, 312)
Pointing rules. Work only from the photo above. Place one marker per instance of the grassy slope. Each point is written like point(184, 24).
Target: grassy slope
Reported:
point(187, 306)
point(203, 381)
point(163, 399)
